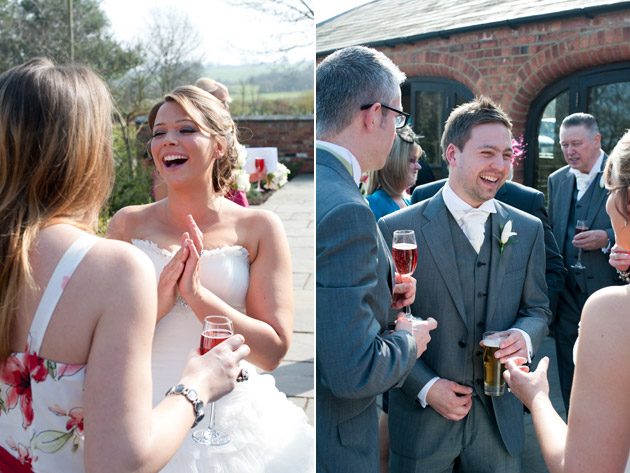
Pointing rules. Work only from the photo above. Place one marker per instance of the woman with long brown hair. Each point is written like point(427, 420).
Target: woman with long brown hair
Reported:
point(69, 300)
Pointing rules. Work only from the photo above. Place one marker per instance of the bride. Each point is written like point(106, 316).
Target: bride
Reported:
point(214, 257)
point(597, 437)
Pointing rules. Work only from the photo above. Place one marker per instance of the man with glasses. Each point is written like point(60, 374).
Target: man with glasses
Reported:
point(358, 111)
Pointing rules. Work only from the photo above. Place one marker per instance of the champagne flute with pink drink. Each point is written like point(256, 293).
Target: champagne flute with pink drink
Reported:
point(405, 254)
point(216, 329)
point(580, 227)
point(260, 167)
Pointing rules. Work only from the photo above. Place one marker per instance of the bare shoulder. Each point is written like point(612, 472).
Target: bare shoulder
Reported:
point(125, 223)
point(121, 262)
point(606, 313)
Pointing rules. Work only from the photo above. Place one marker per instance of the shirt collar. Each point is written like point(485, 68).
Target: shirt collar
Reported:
point(345, 154)
point(454, 203)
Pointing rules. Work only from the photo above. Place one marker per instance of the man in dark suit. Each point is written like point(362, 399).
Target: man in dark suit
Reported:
point(533, 202)
point(358, 103)
point(472, 277)
point(576, 192)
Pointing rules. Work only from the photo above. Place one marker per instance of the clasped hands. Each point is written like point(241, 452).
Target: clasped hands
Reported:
point(453, 401)
point(181, 273)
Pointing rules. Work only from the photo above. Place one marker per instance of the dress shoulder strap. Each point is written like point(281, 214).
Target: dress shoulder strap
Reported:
point(60, 277)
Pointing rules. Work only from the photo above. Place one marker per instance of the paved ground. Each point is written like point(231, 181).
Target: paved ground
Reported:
point(295, 207)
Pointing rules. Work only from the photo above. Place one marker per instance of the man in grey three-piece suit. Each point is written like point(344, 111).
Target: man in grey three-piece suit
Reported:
point(576, 191)
point(358, 111)
point(472, 279)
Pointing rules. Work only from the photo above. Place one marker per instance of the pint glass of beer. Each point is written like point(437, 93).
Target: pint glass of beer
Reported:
point(493, 382)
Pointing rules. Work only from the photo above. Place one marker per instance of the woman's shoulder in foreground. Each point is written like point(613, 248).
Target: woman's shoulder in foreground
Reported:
point(125, 222)
point(607, 309)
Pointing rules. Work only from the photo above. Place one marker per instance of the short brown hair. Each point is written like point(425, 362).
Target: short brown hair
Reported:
point(464, 118)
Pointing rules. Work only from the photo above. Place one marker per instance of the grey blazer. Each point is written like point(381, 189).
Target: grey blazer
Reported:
point(516, 299)
point(560, 187)
point(354, 361)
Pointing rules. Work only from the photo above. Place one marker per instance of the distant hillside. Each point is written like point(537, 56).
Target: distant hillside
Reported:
point(266, 78)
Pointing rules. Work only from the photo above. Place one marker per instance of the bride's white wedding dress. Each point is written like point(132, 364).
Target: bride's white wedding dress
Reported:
point(269, 433)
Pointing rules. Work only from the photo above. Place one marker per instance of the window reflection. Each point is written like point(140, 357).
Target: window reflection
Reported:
point(609, 104)
point(550, 155)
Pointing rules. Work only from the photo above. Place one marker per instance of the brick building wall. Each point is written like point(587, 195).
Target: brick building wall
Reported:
point(293, 136)
point(514, 63)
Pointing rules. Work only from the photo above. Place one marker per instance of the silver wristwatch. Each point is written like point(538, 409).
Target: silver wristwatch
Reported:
point(192, 396)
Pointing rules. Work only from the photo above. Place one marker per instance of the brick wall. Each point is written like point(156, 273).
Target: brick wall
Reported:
point(514, 64)
point(293, 136)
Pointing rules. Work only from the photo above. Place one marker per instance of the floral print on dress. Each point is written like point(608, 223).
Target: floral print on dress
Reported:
point(18, 374)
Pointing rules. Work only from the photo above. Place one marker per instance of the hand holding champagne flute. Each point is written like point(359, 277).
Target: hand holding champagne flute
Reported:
point(216, 329)
point(405, 254)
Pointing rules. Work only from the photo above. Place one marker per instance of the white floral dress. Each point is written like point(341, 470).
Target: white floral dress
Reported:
point(41, 401)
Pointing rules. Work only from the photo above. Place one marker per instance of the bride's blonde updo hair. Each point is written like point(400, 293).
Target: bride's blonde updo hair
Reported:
point(617, 173)
point(56, 164)
point(210, 115)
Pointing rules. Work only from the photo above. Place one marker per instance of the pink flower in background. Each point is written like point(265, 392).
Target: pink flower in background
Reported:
point(520, 148)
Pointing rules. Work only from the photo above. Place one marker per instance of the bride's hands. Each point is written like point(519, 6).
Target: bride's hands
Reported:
point(189, 283)
point(167, 285)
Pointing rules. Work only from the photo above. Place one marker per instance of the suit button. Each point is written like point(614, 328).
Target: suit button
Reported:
point(481, 324)
point(478, 353)
point(461, 344)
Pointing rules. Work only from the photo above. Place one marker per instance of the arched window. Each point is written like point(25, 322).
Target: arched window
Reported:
point(431, 101)
point(603, 92)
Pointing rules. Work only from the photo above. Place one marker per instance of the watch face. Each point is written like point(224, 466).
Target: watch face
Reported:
point(192, 395)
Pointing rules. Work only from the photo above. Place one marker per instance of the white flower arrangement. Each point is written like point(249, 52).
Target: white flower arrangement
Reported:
point(241, 178)
point(278, 178)
point(506, 237)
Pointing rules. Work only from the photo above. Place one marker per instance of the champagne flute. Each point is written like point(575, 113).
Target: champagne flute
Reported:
point(405, 254)
point(580, 227)
point(216, 329)
point(260, 167)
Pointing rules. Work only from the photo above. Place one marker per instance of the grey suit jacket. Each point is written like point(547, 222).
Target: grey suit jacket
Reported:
point(561, 185)
point(516, 299)
point(531, 201)
point(353, 292)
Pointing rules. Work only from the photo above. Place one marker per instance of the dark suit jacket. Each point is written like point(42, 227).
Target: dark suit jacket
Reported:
point(353, 291)
point(531, 201)
point(516, 298)
point(561, 185)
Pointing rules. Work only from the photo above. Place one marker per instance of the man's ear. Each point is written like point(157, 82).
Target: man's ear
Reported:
point(371, 115)
point(451, 154)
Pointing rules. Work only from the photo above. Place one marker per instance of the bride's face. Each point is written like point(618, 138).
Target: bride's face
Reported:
point(181, 149)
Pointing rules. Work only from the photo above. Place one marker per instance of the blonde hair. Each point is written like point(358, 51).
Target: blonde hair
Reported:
point(210, 85)
point(618, 164)
point(56, 164)
point(396, 170)
point(210, 115)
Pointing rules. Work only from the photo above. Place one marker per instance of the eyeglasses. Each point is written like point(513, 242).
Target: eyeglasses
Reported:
point(401, 119)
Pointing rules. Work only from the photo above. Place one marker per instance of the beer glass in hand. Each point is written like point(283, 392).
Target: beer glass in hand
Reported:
point(216, 329)
point(260, 167)
point(493, 382)
point(405, 254)
point(580, 227)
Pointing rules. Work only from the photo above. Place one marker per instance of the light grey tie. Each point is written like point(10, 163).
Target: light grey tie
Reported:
point(582, 182)
point(474, 226)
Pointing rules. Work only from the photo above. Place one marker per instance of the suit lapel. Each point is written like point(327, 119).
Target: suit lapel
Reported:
point(436, 233)
point(498, 262)
point(598, 198)
point(567, 186)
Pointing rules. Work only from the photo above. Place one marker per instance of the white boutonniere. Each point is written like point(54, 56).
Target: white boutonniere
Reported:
point(602, 183)
point(506, 237)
